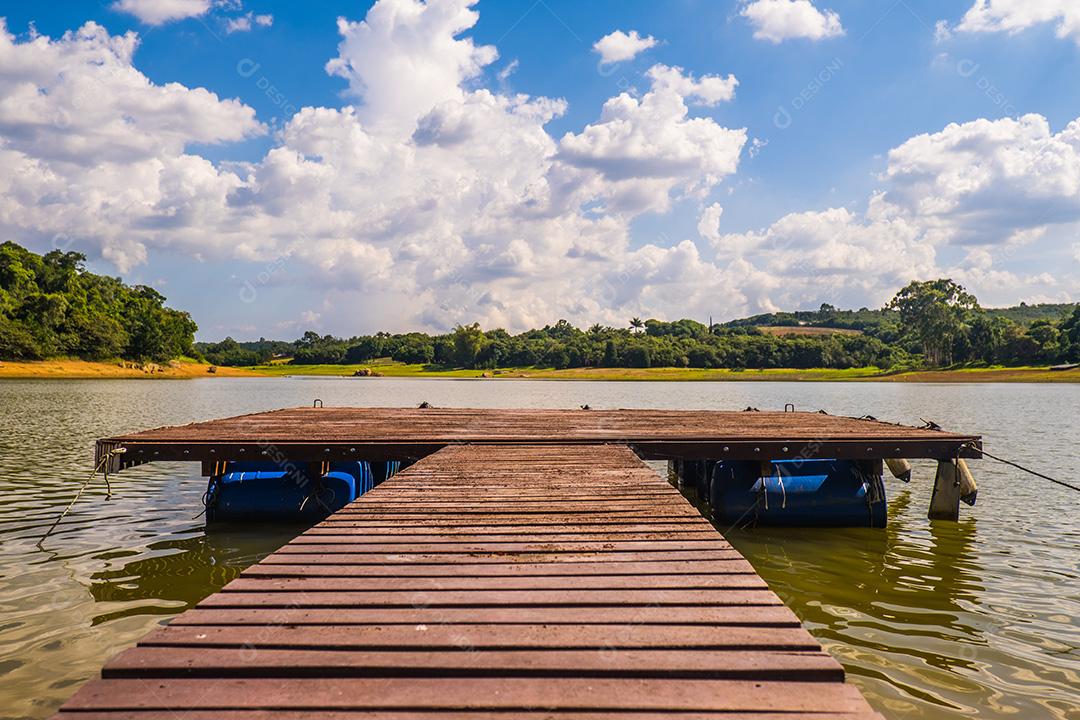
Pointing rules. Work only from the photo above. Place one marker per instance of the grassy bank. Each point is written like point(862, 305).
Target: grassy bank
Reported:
point(191, 369)
point(76, 369)
point(392, 369)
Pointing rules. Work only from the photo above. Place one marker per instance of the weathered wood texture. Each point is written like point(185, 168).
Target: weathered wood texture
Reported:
point(558, 582)
point(316, 434)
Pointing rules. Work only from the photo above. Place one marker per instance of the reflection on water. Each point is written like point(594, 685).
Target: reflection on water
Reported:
point(905, 611)
point(933, 620)
point(180, 570)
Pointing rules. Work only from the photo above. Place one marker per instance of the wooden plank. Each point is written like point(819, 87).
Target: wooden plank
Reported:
point(480, 636)
point(428, 714)
point(219, 663)
point(508, 694)
point(326, 536)
point(490, 598)
point(739, 615)
point(250, 583)
point(732, 564)
point(471, 558)
point(357, 546)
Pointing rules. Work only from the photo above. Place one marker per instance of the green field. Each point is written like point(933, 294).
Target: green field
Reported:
point(394, 369)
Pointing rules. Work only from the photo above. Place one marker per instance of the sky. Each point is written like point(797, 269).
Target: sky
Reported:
point(345, 166)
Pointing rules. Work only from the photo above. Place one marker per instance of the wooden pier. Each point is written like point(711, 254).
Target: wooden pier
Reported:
point(528, 566)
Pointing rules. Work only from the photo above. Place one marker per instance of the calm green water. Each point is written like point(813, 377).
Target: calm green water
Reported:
point(932, 620)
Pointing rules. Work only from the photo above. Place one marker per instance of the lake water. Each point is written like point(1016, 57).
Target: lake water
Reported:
point(979, 618)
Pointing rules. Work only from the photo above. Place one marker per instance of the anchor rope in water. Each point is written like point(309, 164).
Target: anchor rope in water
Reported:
point(1027, 470)
point(103, 465)
point(745, 513)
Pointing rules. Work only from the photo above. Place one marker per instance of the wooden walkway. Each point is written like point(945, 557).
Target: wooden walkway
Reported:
point(507, 581)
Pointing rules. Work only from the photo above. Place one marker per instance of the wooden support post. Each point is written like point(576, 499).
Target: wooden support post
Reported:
point(945, 502)
point(691, 478)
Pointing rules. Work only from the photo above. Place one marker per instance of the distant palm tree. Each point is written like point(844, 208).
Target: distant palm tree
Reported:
point(636, 323)
point(596, 329)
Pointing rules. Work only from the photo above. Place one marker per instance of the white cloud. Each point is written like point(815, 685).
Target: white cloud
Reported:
point(245, 23)
point(709, 223)
point(942, 31)
point(92, 149)
point(80, 100)
point(982, 181)
point(779, 20)
point(649, 148)
point(619, 46)
point(406, 57)
point(1013, 16)
point(158, 12)
point(991, 188)
point(708, 90)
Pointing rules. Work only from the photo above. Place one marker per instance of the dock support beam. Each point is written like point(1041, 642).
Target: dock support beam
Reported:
point(945, 502)
point(691, 478)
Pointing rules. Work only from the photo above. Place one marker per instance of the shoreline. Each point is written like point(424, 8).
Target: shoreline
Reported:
point(80, 369)
point(67, 369)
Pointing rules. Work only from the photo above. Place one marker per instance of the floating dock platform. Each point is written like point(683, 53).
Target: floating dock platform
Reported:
point(529, 565)
point(332, 434)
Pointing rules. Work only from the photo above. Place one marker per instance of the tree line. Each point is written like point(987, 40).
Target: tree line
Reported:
point(50, 306)
point(927, 324)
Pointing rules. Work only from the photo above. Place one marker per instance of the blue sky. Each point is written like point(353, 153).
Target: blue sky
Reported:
point(814, 207)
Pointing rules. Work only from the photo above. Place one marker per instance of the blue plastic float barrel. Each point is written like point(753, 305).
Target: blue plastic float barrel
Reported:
point(383, 470)
point(798, 493)
point(266, 492)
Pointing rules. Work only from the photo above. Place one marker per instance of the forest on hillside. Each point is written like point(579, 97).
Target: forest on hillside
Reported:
point(50, 306)
point(928, 324)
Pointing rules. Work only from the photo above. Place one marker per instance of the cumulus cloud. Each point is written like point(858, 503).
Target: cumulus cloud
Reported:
point(158, 12)
point(406, 57)
point(779, 20)
point(707, 90)
point(709, 223)
point(649, 148)
point(1013, 16)
point(620, 47)
point(985, 180)
point(988, 187)
point(91, 148)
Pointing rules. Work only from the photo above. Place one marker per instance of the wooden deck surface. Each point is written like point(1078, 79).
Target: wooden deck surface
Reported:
point(315, 434)
point(489, 581)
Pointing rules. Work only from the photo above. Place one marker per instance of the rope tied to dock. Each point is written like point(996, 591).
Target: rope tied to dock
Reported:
point(1021, 467)
point(102, 467)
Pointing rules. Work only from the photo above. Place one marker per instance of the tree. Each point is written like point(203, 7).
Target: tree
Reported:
point(636, 324)
point(469, 340)
point(1070, 337)
point(935, 312)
